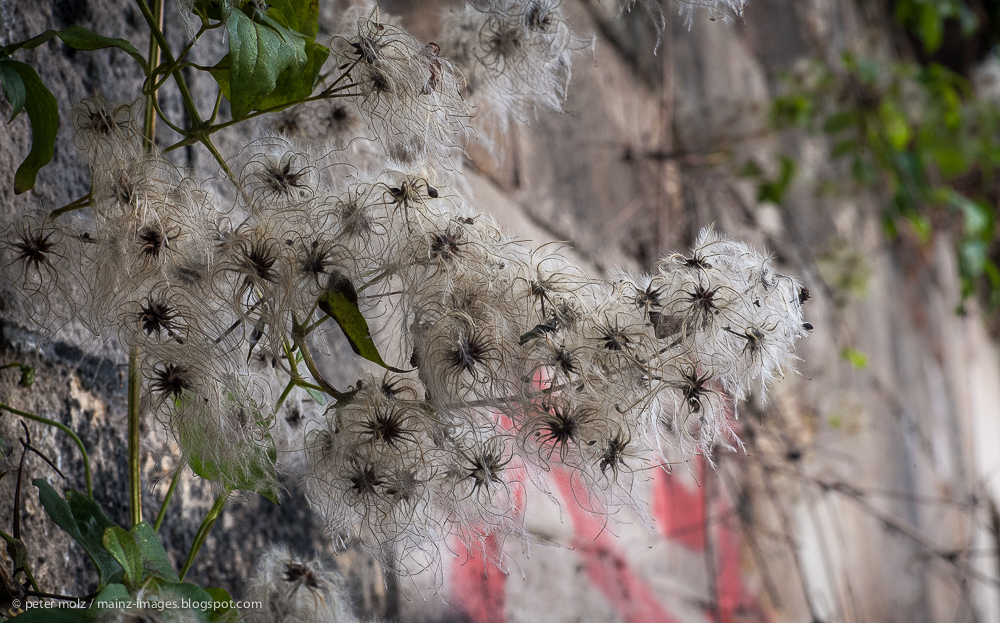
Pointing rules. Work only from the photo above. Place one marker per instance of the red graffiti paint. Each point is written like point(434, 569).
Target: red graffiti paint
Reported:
point(478, 586)
point(605, 563)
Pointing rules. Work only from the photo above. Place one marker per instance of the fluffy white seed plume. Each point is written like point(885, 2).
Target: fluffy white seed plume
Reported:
point(295, 590)
point(515, 56)
point(407, 93)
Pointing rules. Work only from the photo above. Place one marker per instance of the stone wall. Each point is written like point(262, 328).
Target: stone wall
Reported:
point(862, 495)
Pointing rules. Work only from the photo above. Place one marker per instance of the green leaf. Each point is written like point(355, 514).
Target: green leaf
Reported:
point(855, 357)
point(27, 376)
point(13, 89)
point(261, 56)
point(844, 147)
point(43, 113)
point(775, 190)
point(17, 551)
point(294, 87)
point(318, 396)
point(299, 15)
point(930, 27)
point(79, 38)
point(863, 171)
point(972, 257)
point(262, 470)
point(28, 44)
point(82, 519)
point(840, 121)
point(223, 612)
point(896, 128)
point(340, 302)
point(154, 557)
point(750, 169)
point(111, 594)
point(123, 547)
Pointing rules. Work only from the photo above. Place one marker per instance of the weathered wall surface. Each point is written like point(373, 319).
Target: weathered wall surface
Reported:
point(863, 495)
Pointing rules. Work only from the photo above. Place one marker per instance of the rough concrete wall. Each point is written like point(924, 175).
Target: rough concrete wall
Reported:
point(81, 381)
point(862, 495)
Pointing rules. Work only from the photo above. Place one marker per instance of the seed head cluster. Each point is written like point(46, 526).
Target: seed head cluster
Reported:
point(509, 362)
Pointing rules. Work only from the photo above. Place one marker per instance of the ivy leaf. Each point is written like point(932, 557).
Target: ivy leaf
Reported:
point(340, 302)
point(22, 83)
point(82, 519)
point(123, 547)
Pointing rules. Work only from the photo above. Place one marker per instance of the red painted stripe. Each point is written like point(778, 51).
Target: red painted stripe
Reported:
point(478, 586)
point(605, 563)
point(679, 513)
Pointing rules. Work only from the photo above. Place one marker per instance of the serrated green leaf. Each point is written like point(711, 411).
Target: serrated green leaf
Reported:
point(154, 558)
point(43, 113)
point(123, 547)
point(82, 519)
point(340, 302)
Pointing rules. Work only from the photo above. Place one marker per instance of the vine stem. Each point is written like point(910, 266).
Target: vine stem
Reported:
point(149, 122)
point(63, 428)
point(166, 499)
point(76, 204)
point(134, 474)
point(203, 530)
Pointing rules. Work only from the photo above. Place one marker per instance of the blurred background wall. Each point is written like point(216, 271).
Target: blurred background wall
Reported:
point(868, 484)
